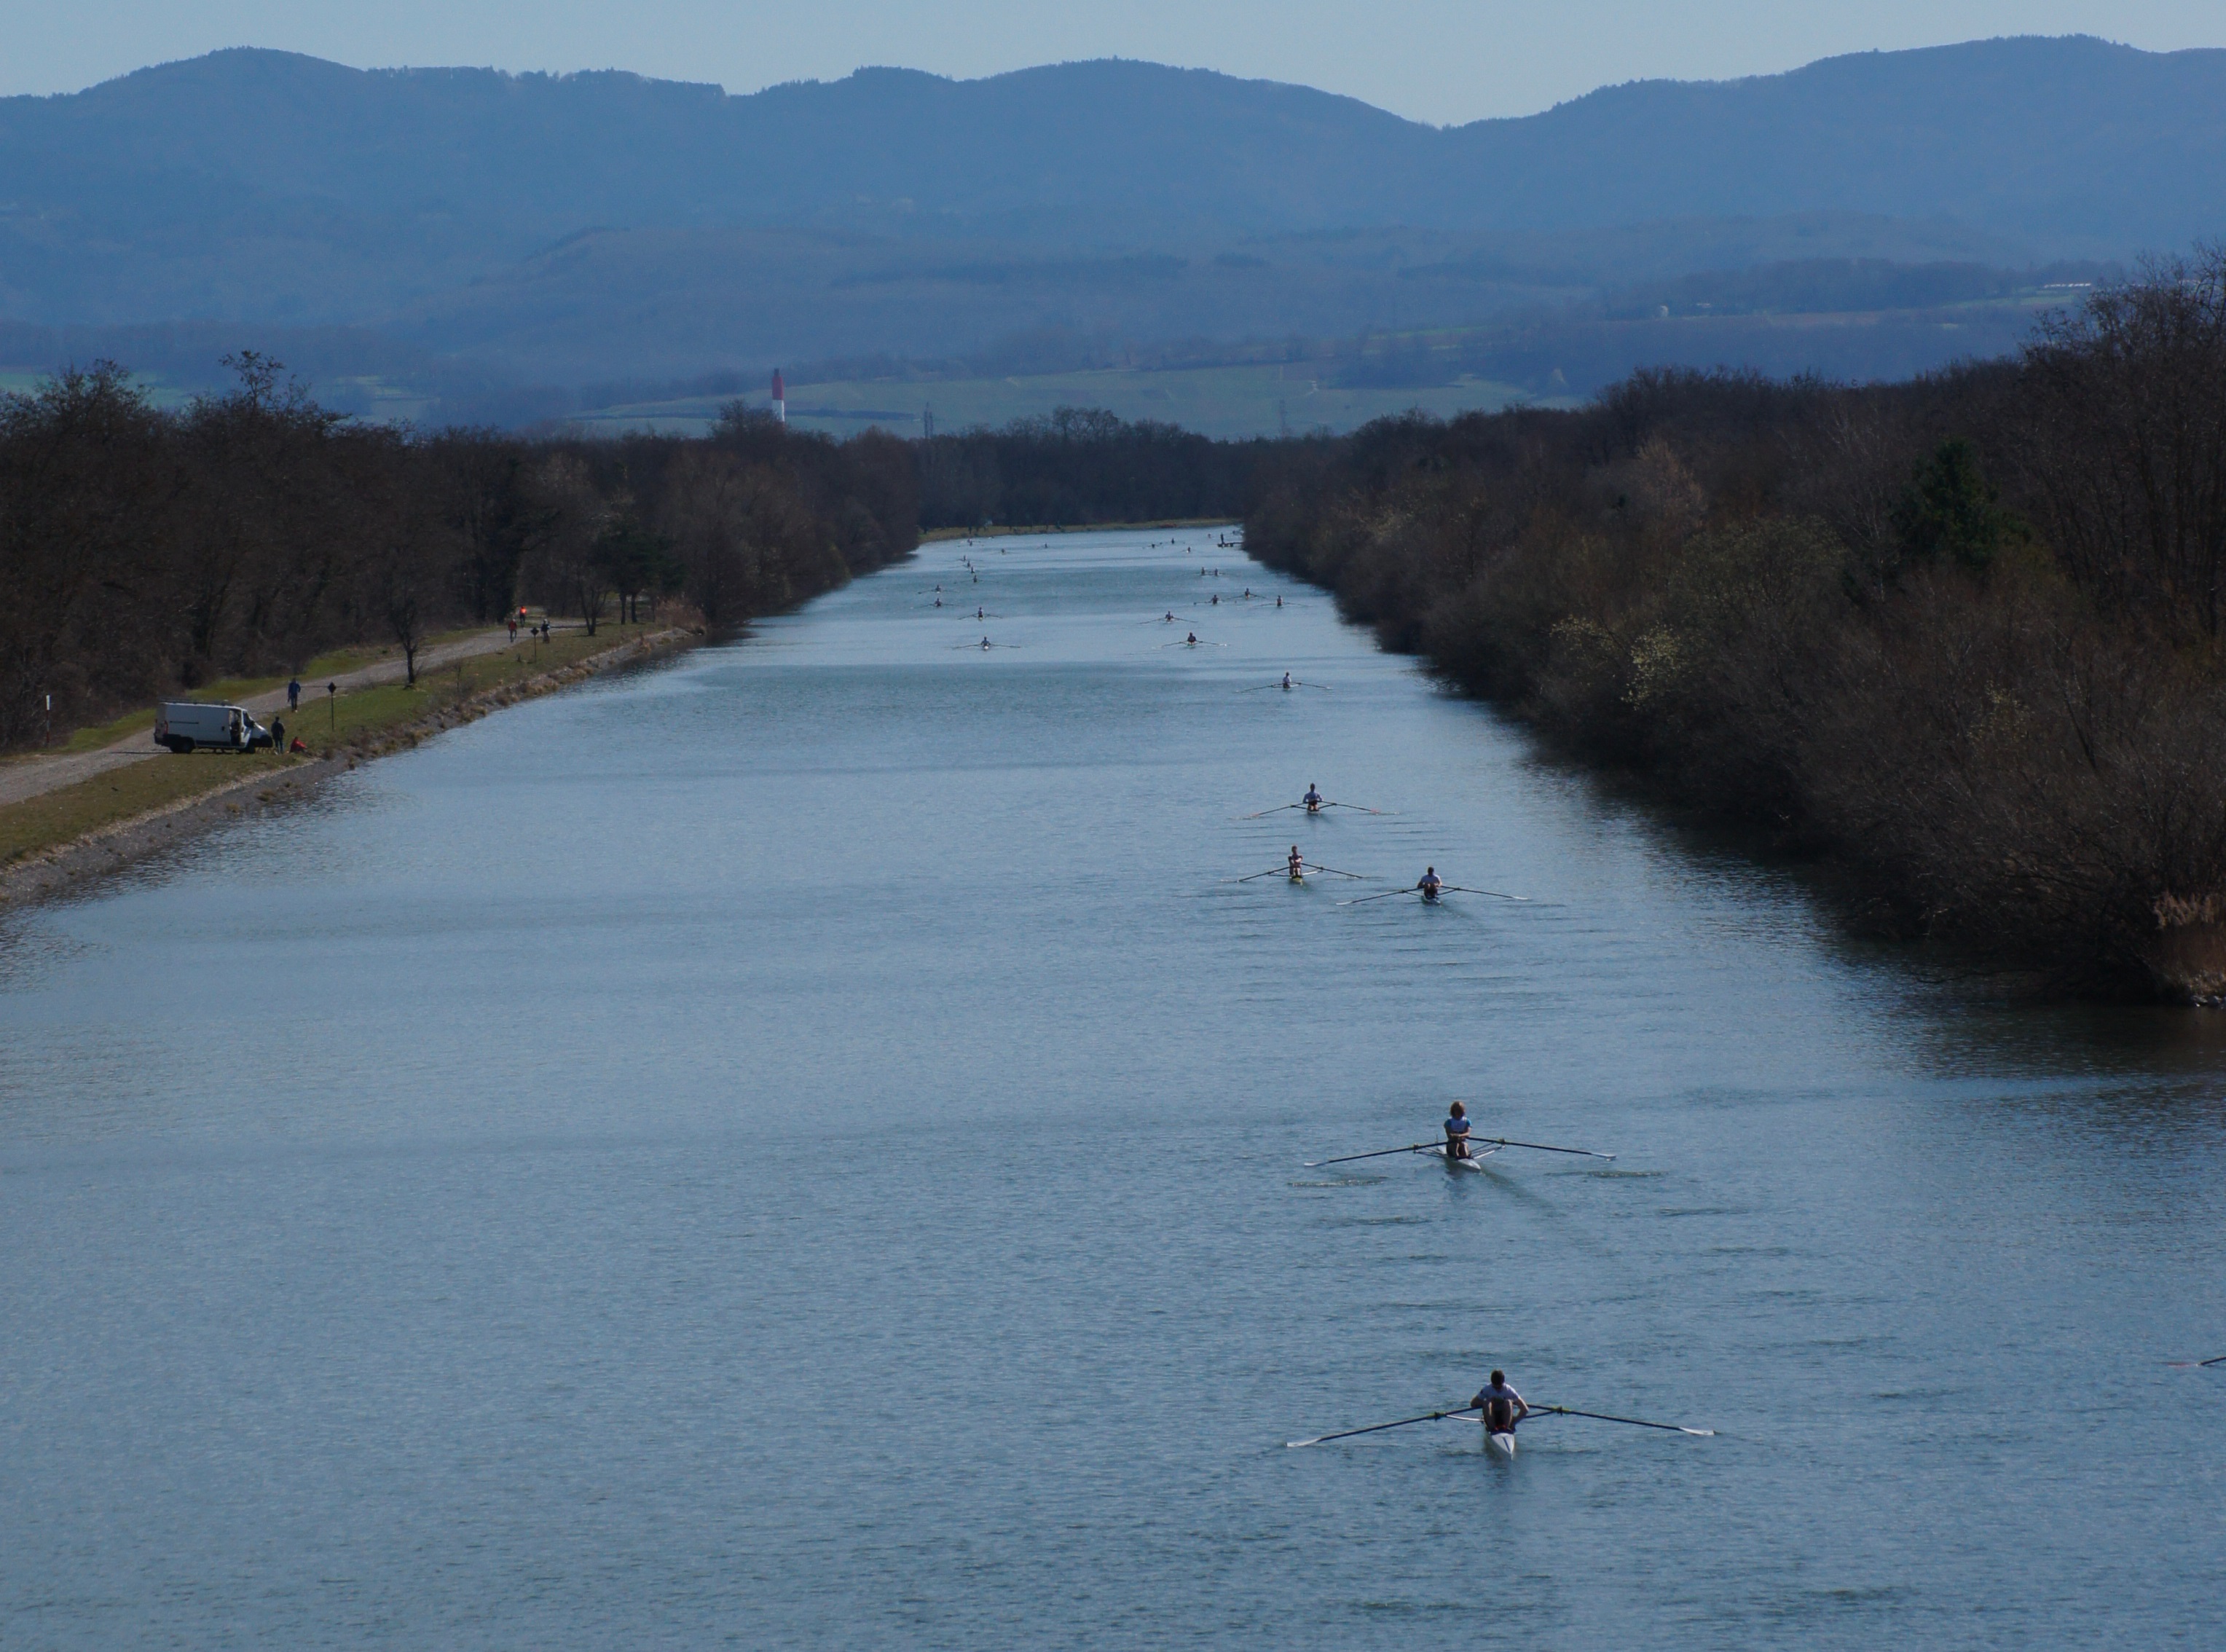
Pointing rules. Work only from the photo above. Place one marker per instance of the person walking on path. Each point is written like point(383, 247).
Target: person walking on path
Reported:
point(294, 695)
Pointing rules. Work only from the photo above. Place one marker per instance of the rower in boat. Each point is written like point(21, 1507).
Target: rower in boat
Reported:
point(1313, 800)
point(1457, 1132)
point(1297, 863)
point(1279, 602)
point(1503, 1409)
point(985, 645)
point(1287, 682)
point(1191, 641)
point(1431, 883)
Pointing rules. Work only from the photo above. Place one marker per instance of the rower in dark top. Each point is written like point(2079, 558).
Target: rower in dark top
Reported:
point(1457, 1132)
point(1502, 1407)
point(1431, 883)
point(1313, 799)
point(1287, 682)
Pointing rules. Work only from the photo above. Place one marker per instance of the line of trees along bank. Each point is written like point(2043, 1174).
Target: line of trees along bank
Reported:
point(1961, 635)
point(1083, 465)
point(145, 552)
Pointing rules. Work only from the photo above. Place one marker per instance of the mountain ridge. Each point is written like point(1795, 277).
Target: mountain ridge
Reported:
point(603, 223)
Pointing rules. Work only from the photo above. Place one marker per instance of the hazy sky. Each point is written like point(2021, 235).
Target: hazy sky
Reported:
point(1431, 59)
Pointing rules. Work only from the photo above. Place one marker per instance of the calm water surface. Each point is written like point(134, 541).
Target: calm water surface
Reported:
point(803, 1147)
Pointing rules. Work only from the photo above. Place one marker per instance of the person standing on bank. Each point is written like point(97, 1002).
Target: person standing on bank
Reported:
point(294, 695)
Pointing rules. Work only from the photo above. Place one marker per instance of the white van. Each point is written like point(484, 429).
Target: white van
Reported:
point(186, 725)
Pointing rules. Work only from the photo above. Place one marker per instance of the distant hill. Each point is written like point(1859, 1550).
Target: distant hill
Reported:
point(600, 225)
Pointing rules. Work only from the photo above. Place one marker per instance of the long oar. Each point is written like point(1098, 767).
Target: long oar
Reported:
point(1271, 872)
point(1463, 889)
point(1378, 1428)
point(2194, 1365)
point(1358, 901)
point(1540, 1146)
point(1361, 877)
point(1277, 809)
point(1636, 1422)
point(1356, 807)
point(1385, 1153)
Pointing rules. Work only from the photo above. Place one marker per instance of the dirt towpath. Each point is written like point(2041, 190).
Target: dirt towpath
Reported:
point(35, 777)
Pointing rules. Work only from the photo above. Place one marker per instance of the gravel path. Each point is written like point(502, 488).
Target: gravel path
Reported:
point(35, 777)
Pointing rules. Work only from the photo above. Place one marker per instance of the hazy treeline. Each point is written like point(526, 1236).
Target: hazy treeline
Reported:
point(145, 552)
point(1082, 465)
point(1961, 633)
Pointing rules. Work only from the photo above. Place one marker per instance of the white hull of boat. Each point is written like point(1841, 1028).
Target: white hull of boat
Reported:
point(1475, 1162)
point(1501, 1442)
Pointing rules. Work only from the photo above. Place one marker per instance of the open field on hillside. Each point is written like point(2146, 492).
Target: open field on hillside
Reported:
point(1234, 401)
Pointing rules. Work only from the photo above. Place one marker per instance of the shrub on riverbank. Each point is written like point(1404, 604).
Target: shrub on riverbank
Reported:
point(1961, 635)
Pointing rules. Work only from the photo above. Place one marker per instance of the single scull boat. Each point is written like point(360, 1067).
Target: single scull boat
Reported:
point(1471, 1162)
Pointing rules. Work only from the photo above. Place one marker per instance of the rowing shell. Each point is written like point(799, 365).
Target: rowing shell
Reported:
point(1501, 1442)
point(1475, 1162)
